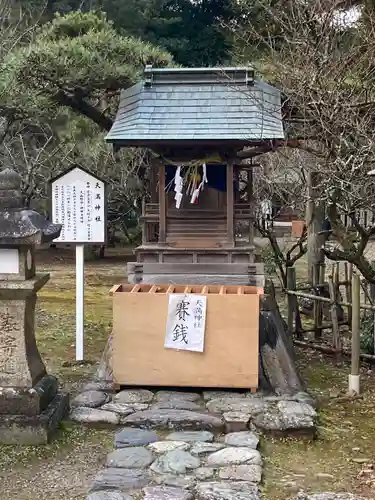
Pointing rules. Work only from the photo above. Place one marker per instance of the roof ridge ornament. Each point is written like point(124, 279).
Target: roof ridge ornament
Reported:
point(250, 76)
point(238, 75)
point(148, 75)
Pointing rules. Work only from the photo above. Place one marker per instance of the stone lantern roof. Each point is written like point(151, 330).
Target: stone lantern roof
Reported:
point(18, 225)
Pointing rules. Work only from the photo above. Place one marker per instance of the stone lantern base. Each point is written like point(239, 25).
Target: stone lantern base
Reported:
point(31, 416)
point(31, 406)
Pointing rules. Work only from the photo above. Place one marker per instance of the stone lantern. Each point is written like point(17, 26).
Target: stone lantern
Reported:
point(30, 404)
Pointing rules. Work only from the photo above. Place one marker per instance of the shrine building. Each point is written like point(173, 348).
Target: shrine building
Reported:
point(198, 217)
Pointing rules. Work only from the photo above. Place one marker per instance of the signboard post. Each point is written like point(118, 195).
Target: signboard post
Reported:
point(79, 204)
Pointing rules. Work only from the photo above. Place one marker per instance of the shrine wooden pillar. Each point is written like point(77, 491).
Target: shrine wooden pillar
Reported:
point(250, 200)
point(230, 203)
point(153, 184)
point(144, 224)
point(162, 203)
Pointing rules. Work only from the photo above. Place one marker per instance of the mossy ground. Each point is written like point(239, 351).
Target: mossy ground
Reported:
point(342, 456)
point(64, 469)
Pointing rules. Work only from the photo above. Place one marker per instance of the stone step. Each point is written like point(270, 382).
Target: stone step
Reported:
point(216, 411)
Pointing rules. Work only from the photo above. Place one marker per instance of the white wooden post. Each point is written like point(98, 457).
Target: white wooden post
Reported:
point(80, 300)
point(79, 204)
point(356, 297)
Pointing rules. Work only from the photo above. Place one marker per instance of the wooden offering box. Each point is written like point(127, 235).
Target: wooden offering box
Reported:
point(231, 342)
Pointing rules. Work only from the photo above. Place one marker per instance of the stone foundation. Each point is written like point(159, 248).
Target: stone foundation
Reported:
point(35, 430)
point(240, 274)
point(216, 411)
point(30, 416)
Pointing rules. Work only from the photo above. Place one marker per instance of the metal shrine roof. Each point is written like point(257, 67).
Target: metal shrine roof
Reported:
point(197, 104)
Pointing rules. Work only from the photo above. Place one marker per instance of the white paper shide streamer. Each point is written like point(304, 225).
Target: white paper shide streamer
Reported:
point(178, 182)
point(200, 188)
point(191, 189)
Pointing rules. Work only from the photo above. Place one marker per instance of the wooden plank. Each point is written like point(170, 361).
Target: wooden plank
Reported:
point(230, 203)
point(114, 289)
point(135, 288)
point(162, 204)
point(149, 217)
point(367, 307)
point(231, 341)
point(200, 267)
point(336, 343)
point(184, 242)
point(202, 279)
point(205, 289)
point(239, 248)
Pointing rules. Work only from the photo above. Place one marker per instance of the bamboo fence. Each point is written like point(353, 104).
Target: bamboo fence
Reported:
point(358, 295)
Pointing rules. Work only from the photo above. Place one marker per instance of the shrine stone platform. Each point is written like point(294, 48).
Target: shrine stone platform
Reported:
point(246, 274)
point(216, 411)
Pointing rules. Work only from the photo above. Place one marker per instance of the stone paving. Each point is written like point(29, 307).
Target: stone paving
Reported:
point(177, 445)
point(181, 465)
point(217, 411)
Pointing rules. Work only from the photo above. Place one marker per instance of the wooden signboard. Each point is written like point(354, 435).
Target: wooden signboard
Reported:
point(231, 338)
point(79, 203)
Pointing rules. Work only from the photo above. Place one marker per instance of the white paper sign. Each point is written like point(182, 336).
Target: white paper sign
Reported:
point(78, 204)
point(9, 261)
point(186, 322)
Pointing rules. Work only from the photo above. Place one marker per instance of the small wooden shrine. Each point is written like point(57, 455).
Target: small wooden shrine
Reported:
point(197, 225)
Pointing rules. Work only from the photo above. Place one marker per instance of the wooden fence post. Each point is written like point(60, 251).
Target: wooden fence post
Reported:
point(318, 274)
point(356, 296)
point(348, 287)
point(336, 343)
point(291, 300)
point(337, 275)
point(372, 295)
